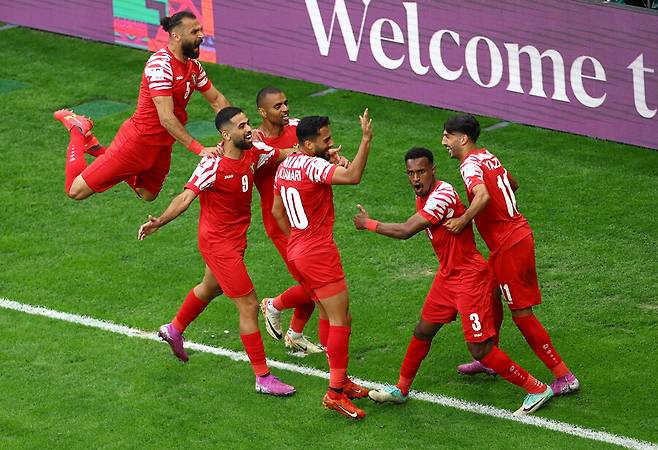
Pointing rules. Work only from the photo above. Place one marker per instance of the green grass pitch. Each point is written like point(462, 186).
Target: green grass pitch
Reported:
point(591, 204)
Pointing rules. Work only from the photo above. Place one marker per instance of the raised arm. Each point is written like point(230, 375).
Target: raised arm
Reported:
point(216, 99)
point(165, 106)
point(178, 206)
point(404, 230)
point(352, 174)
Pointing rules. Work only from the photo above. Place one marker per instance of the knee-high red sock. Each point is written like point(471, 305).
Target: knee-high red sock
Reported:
point(291, 298)
point(338, 354)
point(189, 310)
point(253, 345)
point(301, 317)
point(498, 360)
point(416, 353)
point(497, 313)
point(323, 332)
point(75, 157)
point(538, 339)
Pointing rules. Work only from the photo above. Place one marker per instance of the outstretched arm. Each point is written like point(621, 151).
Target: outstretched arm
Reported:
point(480, 201)
point(178, 206)
point(352, 174)
point(165, 108)
point(404, 230)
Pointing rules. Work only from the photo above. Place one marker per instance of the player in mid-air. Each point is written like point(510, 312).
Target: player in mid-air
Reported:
point(140, 153)
point(224, 187)
point(278, 130)
point(490, 189)
point(462, 285)
point(304, 209)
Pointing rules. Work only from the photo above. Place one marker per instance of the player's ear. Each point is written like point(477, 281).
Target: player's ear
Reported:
point(225, 135)
point(262, 112)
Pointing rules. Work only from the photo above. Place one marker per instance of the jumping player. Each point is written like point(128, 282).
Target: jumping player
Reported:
point(224, 185)
point(490, 189)
point(304, 209)
point(462, 285)
point(140, 153)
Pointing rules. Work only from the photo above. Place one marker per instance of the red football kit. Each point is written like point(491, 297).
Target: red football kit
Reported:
point(505, 231)
point(463, 283)
point(304, 185)
point(265, 184)
point(142, 146)
point(224, 186)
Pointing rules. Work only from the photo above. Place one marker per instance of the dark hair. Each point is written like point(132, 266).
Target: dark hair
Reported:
point(419, 152)
point(225, 115)
point(265, 92)
point(465, 124)
point(309, 127)
point(169, 23)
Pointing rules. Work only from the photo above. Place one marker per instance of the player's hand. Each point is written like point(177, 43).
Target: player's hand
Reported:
point(257, 135)
point(220, 149)
point(209, 151)
point(360, 218)
point(149, 227)
point(366, 125)
point(455, 226)
point(335, 158)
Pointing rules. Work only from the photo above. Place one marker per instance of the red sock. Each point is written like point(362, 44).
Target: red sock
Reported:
point(538, 339)
point(323, 332)
point(291, 298)
point(497, 313)
point(75, 158)
point(498, 360)
point(301, 317)
point(338, 354)
point(189, 310)
point(416, 353)
point(253, 345)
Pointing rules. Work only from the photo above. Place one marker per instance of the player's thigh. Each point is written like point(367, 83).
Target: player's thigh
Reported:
point(337, 308)
point(209, 287)
point(322, 274)
point(230, 272)
point(475, 305)
point(516, 274)
point(153, 178)
point(439, 305)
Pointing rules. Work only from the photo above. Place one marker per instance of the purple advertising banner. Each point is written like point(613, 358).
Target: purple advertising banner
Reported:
point(570, 65)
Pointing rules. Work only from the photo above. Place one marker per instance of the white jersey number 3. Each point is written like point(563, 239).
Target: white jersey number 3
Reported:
point(294, 208)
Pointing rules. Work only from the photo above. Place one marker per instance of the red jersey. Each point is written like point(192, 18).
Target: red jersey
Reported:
point(164, 75)
point(500, 224)
point(456, 253)
point(304, 184)
point(265, 177)
point(224, 186)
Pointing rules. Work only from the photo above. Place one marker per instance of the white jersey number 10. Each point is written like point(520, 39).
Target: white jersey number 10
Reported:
point(294, 208)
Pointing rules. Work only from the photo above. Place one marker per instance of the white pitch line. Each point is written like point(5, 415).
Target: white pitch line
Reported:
point(442, 400)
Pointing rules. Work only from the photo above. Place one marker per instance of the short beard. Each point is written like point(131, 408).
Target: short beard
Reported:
point(190, 51)
point(242, 144)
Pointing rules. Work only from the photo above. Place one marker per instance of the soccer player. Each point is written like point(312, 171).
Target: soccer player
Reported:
point(278, 130)
point(490, 189)
point(224, 185)
point(140, 153)
point(304, 209)
point(462, 285)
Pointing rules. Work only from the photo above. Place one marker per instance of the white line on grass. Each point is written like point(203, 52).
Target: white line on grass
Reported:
point(7, 26)
point(443, 400)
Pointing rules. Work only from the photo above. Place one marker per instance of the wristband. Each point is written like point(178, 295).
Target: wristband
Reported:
point(195, 147)
point(371, 225)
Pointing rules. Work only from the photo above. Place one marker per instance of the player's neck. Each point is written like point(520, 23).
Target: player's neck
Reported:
point(177, 52)
point(232, 152)
point(467, 151)
point(270, 129)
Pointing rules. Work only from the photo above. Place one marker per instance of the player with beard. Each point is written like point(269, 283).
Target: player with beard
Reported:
point(278, 130)
point(304, 209)
point(224, 185)
point(462, 285)
point(140, 153)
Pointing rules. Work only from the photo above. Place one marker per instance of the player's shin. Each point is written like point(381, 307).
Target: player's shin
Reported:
point(75, 159)
point(416, 353)
point(512, 372)
point(189, 310)
point(338, 354)
point(537, 337)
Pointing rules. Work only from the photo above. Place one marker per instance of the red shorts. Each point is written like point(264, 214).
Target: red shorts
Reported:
point(321, 274)
point(515, 272)
point(230, 272)
point(126, 158)
point(280, 241)
point(470, 296)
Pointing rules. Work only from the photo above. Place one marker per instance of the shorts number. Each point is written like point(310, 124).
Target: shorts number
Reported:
point(294, 208)
point(477, 326)
point(245, 183)
point(508, 193)
point(506, 293)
